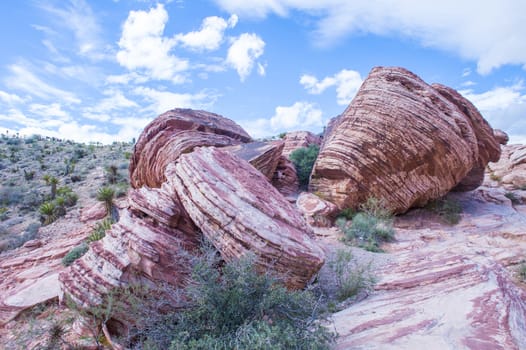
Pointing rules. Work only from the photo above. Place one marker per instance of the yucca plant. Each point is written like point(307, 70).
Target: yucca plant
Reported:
point(47, 209)
point(106, 195)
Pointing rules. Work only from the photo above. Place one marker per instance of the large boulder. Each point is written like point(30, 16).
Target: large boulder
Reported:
point(510, 170)
point(402, 141)
point(299, 139)
point(264, 156)
point(239, 211)
point(173, 133)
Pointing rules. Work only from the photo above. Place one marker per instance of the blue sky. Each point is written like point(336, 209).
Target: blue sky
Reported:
point(101, 70)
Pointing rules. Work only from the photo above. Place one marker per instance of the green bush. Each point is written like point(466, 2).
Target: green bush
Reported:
point(370, 227)
point(74, 254)
point(512, 197)
point(303, 159)
point(350, 278)
point(100, 230)
point(237, 309)
point(447, 209)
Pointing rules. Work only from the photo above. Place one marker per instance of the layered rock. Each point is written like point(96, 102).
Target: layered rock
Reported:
point(298, 139)
point(264, 156)
point(446, 287)
point(402, 141)
point(238, 210)
point(487, 141)
point(173, 133)
point(316, 211)
point(510, 170)
point(285, 178)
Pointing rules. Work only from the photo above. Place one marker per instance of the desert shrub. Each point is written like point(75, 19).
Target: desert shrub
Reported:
point(99, 231)
point(70, 197)
point(350, 277)
point(29, 233)
point(347, 214)
point(4, 213)
point(303, 159)
point(448, 210)
point(512, 197)
point(106, 196)
point(74, 254)
point(10, 196)
point(369, 227)
point(238, 308)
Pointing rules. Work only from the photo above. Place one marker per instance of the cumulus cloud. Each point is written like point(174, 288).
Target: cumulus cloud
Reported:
point(243, 53)
point(162, 101)
point(504, 108)
point(347, 83)
point(143, 46)
point(300, 115)
point(210, 36)
point(489, 32)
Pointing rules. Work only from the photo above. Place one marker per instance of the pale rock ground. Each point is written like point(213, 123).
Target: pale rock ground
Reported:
point(439, 286)
point(447, 287)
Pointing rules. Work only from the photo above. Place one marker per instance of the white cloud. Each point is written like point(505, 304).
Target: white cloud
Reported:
point(347, 83)
point(143, 46)
point(24, 80)
point(504, 108)
point(10, 98)
point(244, 52)
point(210, 36)
point(298, 116)
point(490, 32)
point(162, 101)
point(53, 110)
point(78, 17)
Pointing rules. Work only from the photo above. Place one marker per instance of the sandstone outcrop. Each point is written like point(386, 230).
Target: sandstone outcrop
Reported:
point(298, 139)
point(446, 287)
point(238, 210)
point(501, 136)
point(510, 170)
point(316, 211)
point(402, 141)
point(264, 156)
point(285, 178)
point(173, 133)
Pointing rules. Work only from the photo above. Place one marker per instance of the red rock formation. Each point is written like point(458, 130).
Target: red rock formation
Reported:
point(510, 170)
point(501, 136)
point(285, 178)
point(238, 210)
point(176, 132)
point(298, 139)
point(263, 156)
point(316, 211)
point(488, 145)
point(402, 141)
point(446, 287)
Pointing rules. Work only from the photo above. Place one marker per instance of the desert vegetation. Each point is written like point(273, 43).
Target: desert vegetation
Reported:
point(368, 227)
point(303, 159)
point(42, 178)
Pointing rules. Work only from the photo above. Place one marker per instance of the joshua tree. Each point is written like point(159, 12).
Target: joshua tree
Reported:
point(106, 195)
point(53, 182)
point(112, 173)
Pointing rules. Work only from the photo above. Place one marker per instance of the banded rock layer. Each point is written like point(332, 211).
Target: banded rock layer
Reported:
point(173, 133)
point(404, 142)
point(238, 210)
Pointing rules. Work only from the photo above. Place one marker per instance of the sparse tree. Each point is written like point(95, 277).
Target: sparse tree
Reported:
point(106, 195)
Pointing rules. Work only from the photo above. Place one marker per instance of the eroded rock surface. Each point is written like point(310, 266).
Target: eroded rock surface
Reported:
point(285, 178)
point(510, 170)
point(316, 211)
point(447, 287)
point(264, 156)
point(238, 210)
point(173, 133)
point(299, 139)
point(403, 141)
